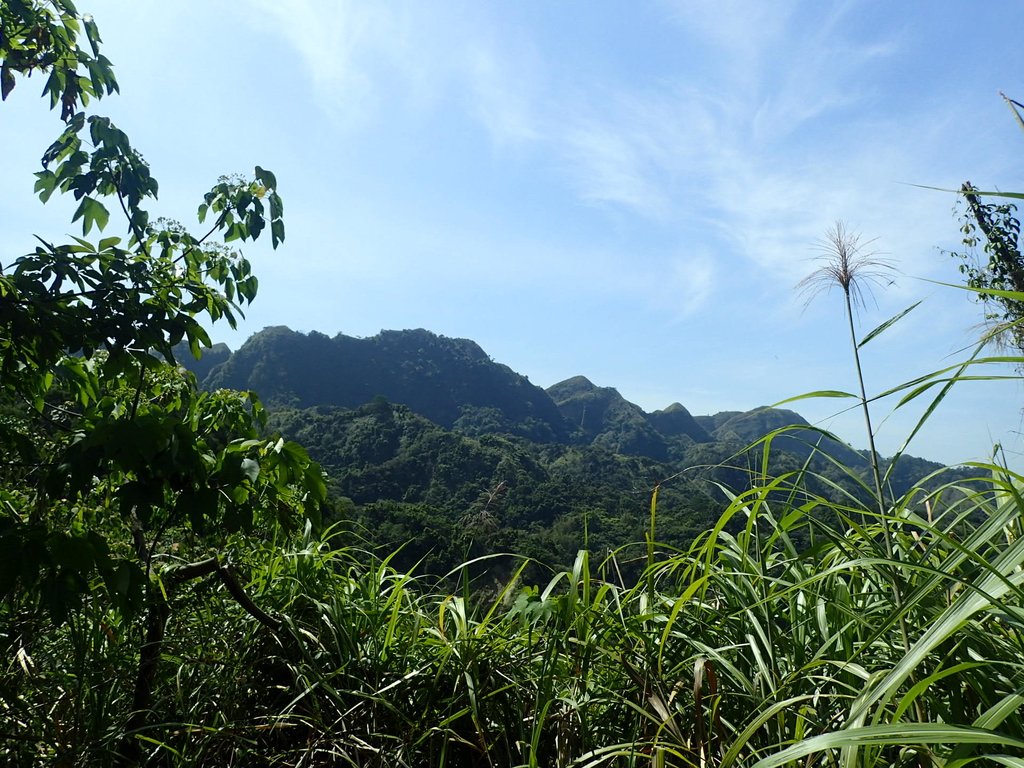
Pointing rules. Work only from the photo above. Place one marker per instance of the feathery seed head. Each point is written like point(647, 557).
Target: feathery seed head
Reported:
point(848, 263)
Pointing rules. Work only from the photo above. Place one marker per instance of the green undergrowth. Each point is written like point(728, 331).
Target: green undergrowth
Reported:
point(776, 639)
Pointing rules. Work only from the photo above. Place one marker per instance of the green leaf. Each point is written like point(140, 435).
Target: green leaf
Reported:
point(197, 340)
point(899, 734)
point(247, 288)
point(1015, 107)
point(93, 35)
point(255, 224)
point(6, 82)
point(266, 178)
point(125, 585)
point(891, 321)
point(250, 469)
point(236, 231)
point(978, 192)
point(46, 183)
point(812, 395)
point(1013, 295)
point(241, 446)
point(72, 552)
point(198, 506)
point(91, 211)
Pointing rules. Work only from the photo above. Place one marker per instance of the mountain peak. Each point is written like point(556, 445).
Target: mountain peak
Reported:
point(675, 421)
point(576, 385)
point(452, 382)
point(426, 341)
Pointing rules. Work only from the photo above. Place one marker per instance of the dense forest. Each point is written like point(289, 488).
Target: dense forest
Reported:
point(477, 572)
point(437, 453)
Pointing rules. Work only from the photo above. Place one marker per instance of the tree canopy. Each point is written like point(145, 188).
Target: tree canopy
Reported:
point(119, 478)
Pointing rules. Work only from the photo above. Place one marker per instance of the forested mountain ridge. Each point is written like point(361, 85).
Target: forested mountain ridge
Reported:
point(439, 497)
point(602, 416)
point(434, 449)
point(456, 386)
point(748, 426)
point(437, 452)
point(452, 382)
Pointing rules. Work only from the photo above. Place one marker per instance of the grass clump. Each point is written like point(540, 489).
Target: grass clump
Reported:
point(774, 640)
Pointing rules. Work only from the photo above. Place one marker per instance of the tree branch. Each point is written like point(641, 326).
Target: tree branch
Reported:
point(227, 575)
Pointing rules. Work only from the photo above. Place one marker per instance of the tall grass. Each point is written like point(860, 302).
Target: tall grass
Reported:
point(774, 640)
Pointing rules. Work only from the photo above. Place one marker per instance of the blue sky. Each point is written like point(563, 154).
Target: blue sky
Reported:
point(628, 191)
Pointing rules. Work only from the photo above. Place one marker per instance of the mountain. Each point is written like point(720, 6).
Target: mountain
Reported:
point(438, 497)
point(604, 417)
point(676, 421)
point(211, 358)
point(800, 438)
point(452, 382)
point(437, 451)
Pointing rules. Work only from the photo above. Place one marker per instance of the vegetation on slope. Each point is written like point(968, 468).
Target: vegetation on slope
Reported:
point(450, 381)
point(442, 495)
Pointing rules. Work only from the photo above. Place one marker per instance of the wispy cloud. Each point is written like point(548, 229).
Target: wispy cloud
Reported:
point(610, 165)
point(502, 92)
point(335, 42)
point(762, 154)
point(691, 282)
point(754, 157)
point(355, 51)
point(744, 31)
point(700, 125)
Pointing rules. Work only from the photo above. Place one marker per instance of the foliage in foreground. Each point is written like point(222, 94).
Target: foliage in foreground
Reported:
point(993, 260)
point(119, 482)
point(744, 650)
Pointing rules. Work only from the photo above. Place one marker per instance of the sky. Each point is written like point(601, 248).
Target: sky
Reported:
point(628, 191)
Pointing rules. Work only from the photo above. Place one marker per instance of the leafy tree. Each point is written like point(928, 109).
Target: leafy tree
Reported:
point(43, 37)
point(994, 229)
point(120, 480)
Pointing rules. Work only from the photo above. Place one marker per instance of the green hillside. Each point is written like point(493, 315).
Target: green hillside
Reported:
point(450, 381)
point(434, 449)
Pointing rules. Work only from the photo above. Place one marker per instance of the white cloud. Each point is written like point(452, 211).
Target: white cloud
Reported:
point(752, 160)
point(356, 51)
point(761, 162)
point(690, 284)
point(334, 41)
point(610, 166)
point(502, 90)
point(743, 29)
